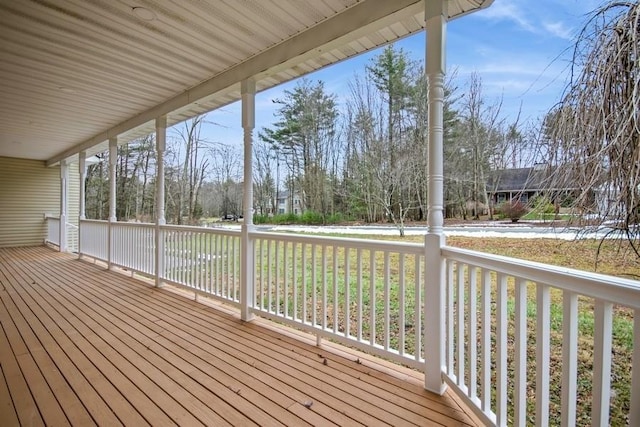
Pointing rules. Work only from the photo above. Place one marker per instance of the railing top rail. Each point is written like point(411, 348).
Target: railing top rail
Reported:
point(414, 248)
point(199, 229)
point(132, 224)
point(163, 227)
point(94, 221)
point(617, 290)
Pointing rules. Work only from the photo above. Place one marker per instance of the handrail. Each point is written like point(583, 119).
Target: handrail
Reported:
point(609, 288)
point(355, 243)
point(194, 228)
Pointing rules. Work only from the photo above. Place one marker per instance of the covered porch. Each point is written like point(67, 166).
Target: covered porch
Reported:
point(85, 344)
point(82, 345)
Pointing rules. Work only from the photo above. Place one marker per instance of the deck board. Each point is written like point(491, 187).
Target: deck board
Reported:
point(81, 345)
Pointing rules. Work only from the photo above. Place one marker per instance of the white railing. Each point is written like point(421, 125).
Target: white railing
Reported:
point(203, 259)
point(364, 293)
point(133, 246)
point(53, 233)
point(72, 237)
point(94, 239)
point(505, 316)
point(53, 230)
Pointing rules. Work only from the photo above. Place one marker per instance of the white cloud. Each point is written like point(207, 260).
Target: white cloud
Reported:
point(559, 29)
point(532, 19)
point(509, 12)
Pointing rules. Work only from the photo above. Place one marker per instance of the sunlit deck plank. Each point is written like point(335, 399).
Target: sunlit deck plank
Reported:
point(8, 413)
point(17, 400)
point(136, 354)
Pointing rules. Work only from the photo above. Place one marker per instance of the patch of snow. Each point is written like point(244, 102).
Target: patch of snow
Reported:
point(521, 232)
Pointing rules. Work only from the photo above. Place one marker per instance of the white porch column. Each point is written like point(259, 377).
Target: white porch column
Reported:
point(113, 157)
point(82, 169)
point(161, 141)
point(247, 292)
point(434, 287)
point(64, 191)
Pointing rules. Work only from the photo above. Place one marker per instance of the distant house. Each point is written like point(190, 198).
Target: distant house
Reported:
point(509, 184)
point(287, 203)
point(523, 184)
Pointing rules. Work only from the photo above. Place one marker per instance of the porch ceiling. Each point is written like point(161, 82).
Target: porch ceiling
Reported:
point(74, 73)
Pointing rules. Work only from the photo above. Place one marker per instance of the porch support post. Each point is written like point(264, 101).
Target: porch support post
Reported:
point(161, 141)
point(64, 191)
point(247, 292)
point(82, 169)
point(434, 281)
point(113, 156)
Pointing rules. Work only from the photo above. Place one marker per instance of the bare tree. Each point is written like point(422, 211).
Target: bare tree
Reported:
point(227, 171)
point(194, 166)
point(264, 182)
point(97, 188)
point(145, 193)
point(364, 152)
point(479, 140)
point(594, 131)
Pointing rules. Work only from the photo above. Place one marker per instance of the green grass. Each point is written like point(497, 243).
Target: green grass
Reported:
point(324, 281)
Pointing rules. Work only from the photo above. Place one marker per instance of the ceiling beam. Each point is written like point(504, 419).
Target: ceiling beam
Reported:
point(355, 22)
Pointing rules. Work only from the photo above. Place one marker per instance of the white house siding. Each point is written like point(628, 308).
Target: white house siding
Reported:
point(28, 191)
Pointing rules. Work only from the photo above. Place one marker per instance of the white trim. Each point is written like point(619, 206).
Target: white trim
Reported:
point(161, 138)
point(64, 195)
point(247, 252)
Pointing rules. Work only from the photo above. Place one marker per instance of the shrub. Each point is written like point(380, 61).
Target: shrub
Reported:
point(282, 219)
point(514, 210)
point(292, 218)
point(542, 205)
point(311, 218)
point(260, 219)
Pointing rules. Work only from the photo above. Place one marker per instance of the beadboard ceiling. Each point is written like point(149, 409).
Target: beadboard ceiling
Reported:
point(75, 72)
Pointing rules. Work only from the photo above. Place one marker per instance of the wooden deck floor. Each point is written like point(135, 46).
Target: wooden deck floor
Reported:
point(81, 345)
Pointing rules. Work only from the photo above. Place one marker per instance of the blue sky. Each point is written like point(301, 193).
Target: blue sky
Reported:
point(520, 49)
